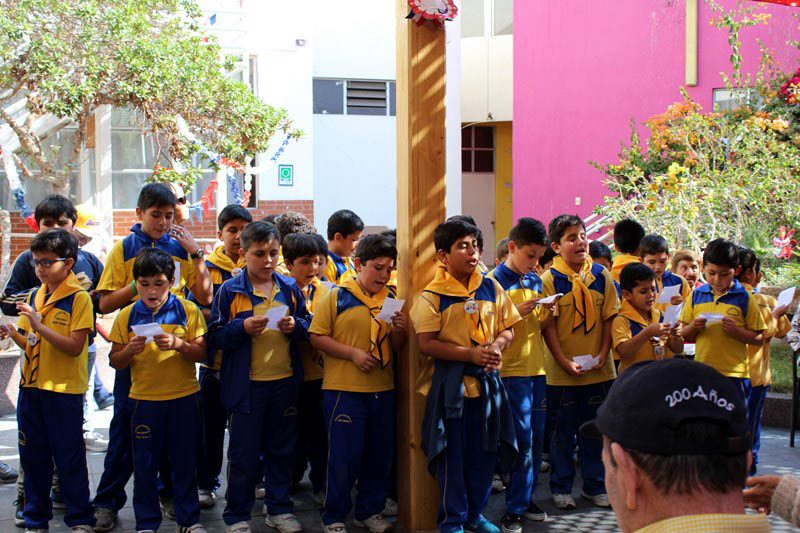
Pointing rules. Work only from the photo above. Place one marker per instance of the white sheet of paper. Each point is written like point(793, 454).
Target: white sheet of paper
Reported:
point(712, 317)
point(551, 299)
point(274, 314)
point(390, 307)
point(672, 314)
point(587, 362)
point(786, 297)
point(177, 282)
point(666, 295)
point(328, 284)
point(147, 330)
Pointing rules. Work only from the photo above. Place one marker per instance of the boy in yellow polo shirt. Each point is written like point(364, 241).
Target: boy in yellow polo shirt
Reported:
point(53, 331)
point(358, 386)
point(163, 395)
point(523, 368)
point(638, 332)
point(580, 326)
point(627, 234)
point(344, 231)
point(654, 252)
point(722, 318)
point(777, 326)
point(464, 322)
point(259, 378)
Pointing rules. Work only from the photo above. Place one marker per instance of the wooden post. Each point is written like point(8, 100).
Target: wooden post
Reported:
point(420, 208)
point(691, 43)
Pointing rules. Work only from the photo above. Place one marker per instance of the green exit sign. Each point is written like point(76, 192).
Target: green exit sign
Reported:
point(286, 175)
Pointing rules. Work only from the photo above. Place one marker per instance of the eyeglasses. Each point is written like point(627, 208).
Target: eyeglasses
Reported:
point(181, 200)
point(46, 263)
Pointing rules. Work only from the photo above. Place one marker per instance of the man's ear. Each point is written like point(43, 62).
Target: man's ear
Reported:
point(628, 475)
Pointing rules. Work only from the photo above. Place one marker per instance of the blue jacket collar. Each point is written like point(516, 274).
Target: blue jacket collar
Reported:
point(137, 232)
point(735, 289)
point(241, 283)
point(140, 307)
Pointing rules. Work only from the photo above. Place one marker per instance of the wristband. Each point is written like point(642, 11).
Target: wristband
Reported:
point(133, 286)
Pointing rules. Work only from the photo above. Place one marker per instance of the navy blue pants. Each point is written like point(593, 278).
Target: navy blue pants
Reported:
point(50, 429)
point(214, 419)
point(360, 449)
point(527, 396)
point(755, 411)
point(269, 430)
point(312, 440)
point(171, 428)
point(745, 388)
point(568, 407)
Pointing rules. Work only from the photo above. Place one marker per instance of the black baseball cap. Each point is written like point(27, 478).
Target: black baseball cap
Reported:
point(648, 406)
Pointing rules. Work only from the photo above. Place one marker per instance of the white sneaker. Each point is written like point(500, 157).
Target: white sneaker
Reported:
point(145, 531)
point(375, 523)
point(285, 523)
point(497, 484)
point(564, 501)
point(83, 528)
point(206, 498)
point(238, 527)
point(197, 528)
point(600, 500)
point(545, 467)
point(260, 492)
point(34, 530)
point(94, 442)
point(336, 527)
point(390, 509)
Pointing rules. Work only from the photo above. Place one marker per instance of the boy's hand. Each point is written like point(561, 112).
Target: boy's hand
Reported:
point(676, 300)
point(254, 325)
point(399, 323)
point(657, 330)
point(496, 355)
point(136, 345)
point(572, 368)
point(286, 325)
point(525, 308)
point(486, 357)
point(780, 311)
point(729, 325)
point(6, 331)
point(364, 361)
point(676, 332)
point(32, 316)
point(699, 323)
point(167, 341)
point(184, 237)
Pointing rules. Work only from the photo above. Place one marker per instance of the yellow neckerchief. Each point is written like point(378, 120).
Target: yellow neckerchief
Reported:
point(444, 283)
point(621, 261)
point(748, 287)
point(310, 293)
point(43, 305)
point(379, 330)
point(628, 311)
point(220, 259)
point(584, 303)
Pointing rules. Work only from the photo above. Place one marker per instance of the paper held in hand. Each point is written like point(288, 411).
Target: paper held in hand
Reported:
point(390, 307)
point(147, 330)
point(587, 362)
point(551, 299)
point(668, 293)
point(274, 314)
point(672, 314)
point(712, 317)
point(786, 297)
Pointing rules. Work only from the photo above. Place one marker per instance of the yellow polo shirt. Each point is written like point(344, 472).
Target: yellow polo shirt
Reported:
point(760, 368)
point(270, 359)
point(626, 325)
point(312, 359)
point(711, 523)
point(338, 267)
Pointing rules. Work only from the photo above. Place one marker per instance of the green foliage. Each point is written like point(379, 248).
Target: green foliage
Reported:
point(70, 56)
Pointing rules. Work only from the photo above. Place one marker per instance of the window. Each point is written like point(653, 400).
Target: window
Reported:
point(354, 97)
point(503, 17)
point(253, 74)
point(328, 97)
point(366, 98)
point(727, 99)
point(477, 149)
point(472, 15)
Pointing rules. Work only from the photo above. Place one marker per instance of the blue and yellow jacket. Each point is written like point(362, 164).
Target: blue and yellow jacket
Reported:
point(226, 333)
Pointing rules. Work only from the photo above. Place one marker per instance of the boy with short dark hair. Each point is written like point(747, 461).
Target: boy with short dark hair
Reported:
point(723, 318)
point(344, 231)
point(464, 322)
point(163, 393)
point(601, 254)
point(501, 253)
point(654, 252)
point(581, 327)
point(627, 234)
point(259, 378)
point(638, 332)
point(53, 330)
point(523, 368)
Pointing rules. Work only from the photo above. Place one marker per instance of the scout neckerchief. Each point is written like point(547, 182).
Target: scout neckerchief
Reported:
point(43, 305)
point(621, 261)
point(220, 259)
point(584, 303)
point(379, 330)
point(445, 284)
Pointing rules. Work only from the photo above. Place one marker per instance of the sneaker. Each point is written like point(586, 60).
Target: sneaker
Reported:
point(167, 508)
point(535, 513)
point(206, 498)
point(564, 501)
point(260, 491)
point(106, 402)
point(481, 525)
point(19, 504)
point(197, 528)
point(511, 523)
point(390, 509)
point(318, 497)
point(375, 523)
point(336, 527)
point(544, 467)
point(600, 500)
point(285, 523)
point(238, 527)
point(497, 484)
point(7, 474)
point(94, 442)
point(35, 530)
point(83, 528)
point(106, 519)
point(55, 497)
point(145, 531)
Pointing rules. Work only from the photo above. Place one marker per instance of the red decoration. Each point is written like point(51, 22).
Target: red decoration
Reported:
point(435, 11)
point(791, 3)
point(235, 165)
point(30, 220)
point(785, 243)
point(208, 198)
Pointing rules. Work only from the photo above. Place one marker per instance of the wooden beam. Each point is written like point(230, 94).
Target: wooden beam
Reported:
point(691, 43)
point(420, 208)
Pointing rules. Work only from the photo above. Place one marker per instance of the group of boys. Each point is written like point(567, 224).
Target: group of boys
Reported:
point(297, 363)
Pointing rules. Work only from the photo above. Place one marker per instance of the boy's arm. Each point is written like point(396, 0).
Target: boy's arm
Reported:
point(201, 285)
point(22, 280)
point(122, 355)
point(605, 343)
point(334, 348)
point(675, 341)
point(110, 301)
point(743, 335)
point(7, 330)
point(399, 334)
point(115, 289)
point(302, 317)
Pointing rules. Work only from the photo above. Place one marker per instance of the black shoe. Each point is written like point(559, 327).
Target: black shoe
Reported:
point(511, 523)
point(7, 474)
point(19, 503)
point(535, 513)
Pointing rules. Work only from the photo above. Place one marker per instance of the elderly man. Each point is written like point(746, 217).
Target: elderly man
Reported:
point(676, 449)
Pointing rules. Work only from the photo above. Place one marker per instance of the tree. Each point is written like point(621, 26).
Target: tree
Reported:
point(64, 58)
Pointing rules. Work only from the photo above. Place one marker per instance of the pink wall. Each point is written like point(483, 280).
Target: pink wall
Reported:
point(582, 70)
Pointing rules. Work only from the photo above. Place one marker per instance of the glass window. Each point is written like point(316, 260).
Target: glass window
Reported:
point(484, 161)
point(472, 16)
point(727, 99)
point(503, 17)
point(466, 160)
point(328, 97)
point(484, 137)
point(477, 149)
